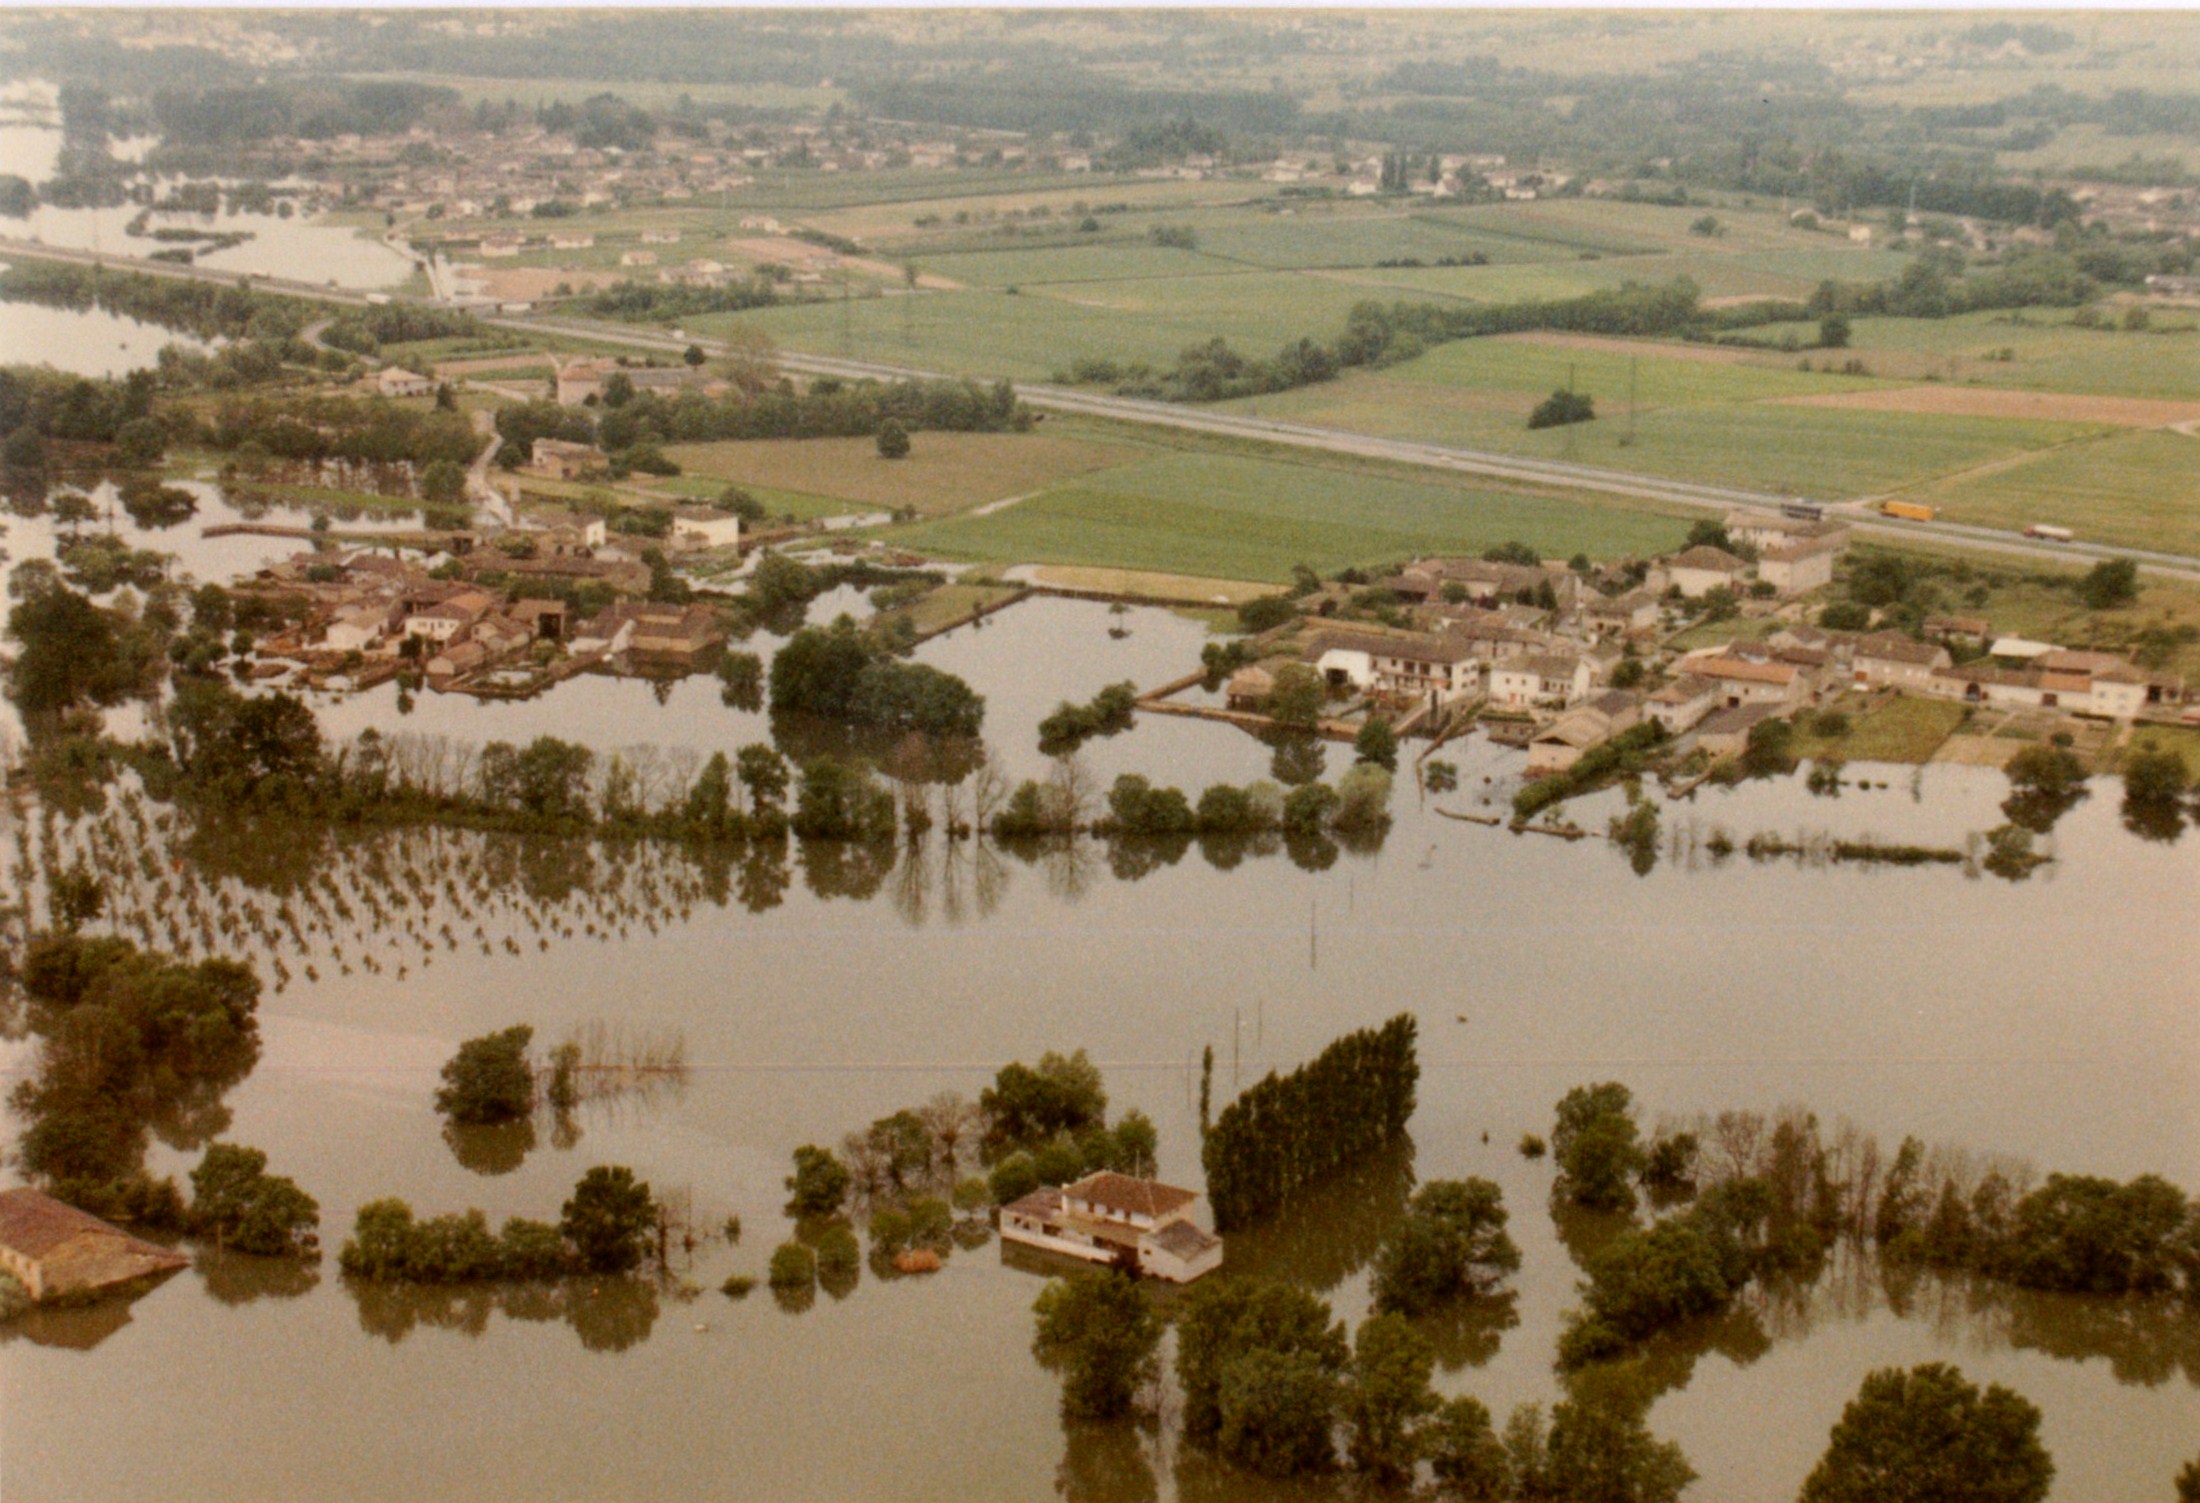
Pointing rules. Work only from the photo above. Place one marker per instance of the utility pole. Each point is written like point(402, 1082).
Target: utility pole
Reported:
point(1634, 365)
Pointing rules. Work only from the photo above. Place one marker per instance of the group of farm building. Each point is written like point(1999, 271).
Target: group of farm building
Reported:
point(1539, 646)
point(494, 619)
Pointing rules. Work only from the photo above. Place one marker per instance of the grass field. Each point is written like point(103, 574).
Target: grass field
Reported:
point(1897, 728)
point(2139, 489)
point(1696, 418)
point(2179, 739)
point(943, 473)
point(2047, 352)
point(1231, 517)
point(950, 603)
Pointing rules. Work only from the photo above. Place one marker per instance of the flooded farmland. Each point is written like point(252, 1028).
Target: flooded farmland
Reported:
point(1968, 1010)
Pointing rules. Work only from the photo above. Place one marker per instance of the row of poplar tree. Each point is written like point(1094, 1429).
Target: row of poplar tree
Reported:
point(1291, 1131)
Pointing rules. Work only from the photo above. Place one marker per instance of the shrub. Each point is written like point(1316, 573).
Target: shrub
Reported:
point(793, 1266)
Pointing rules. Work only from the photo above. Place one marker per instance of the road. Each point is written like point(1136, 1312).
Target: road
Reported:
point(1547, 473)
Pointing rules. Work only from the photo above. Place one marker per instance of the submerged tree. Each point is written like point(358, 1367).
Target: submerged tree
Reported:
point(1097, 1330)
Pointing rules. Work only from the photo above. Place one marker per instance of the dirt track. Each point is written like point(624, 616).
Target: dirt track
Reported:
point(1993, 402)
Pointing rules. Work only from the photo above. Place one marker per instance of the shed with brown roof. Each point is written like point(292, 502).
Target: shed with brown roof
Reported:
point(53, 1248)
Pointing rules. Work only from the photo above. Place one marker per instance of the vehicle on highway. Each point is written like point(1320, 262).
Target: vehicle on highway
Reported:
point(2047, 534)
point(1803, 511)
point(1907, 511)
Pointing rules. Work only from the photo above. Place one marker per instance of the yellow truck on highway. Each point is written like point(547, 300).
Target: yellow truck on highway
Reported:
point(1907, 511)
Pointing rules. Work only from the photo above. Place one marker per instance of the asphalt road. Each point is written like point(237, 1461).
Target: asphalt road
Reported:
point(1555, 474)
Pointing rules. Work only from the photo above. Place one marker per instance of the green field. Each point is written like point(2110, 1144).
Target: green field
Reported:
point(2140, 489)
point(2046, 352)
point(1900, 728)
point(1231, 517)
point(1695, 419)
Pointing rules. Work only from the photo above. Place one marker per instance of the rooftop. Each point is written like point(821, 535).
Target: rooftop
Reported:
point(1130, 1197)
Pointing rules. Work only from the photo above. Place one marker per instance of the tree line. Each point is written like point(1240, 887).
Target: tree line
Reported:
point(1757, 1196)
point(1287, 1133)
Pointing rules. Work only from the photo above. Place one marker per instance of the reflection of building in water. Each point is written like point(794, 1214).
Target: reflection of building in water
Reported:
point(1113, 1218)
point(55, 1249)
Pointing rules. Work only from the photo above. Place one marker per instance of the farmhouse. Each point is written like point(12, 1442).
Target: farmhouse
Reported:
point(1549, 679)
point(1800, 566)
point(395, 381)
point(561, 459)
point(1401, 665)
point(1679, 705)
point(55, 1249)
point(1698, 571)
point(1138, 1224)
point(701, 527)
point(1889, 660)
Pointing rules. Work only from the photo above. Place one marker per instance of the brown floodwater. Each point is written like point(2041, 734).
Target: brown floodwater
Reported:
point(2050, 1019)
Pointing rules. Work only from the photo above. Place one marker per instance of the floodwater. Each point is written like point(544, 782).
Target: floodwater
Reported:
point(2049, 1019)
point(82, 342)
point(298, 247)
point(2034, 1019)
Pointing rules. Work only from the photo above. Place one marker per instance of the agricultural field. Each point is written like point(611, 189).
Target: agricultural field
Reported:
point(2140, 489)
point(1706, 414)
point(1227, 516)
point(943, 473)
point(2037, 349)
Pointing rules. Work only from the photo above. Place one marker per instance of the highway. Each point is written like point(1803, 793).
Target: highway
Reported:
point(1518, 470)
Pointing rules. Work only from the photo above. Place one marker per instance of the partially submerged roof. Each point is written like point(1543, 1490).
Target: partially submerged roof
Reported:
point(79, 1250)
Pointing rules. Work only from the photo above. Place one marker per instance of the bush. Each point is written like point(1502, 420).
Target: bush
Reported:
point(893, 440)
point(1561, 408)
point(1266, 613)
point(1846, 615)
point(793, 1266)
point(490, 1078)
point(2109, 583)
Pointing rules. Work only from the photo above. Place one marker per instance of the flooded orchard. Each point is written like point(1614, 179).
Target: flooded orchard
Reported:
point(2031, 1019)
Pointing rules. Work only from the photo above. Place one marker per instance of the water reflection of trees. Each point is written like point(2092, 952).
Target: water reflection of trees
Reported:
point(1334, 1231)
point(609, 1315)
point(309, 898)
point(1107, 1464)
point(234, 1278)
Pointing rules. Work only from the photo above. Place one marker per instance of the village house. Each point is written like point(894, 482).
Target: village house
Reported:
point(1559, 745)
point(1482, 582)
point(1725, 731)
point(561, 459)
point(52, 1248)
point(356, 630)
point(1401, 667)
point(448, 618)
point(1798, 567)
point(1742, 680)
point(1249, 688)
point(1965, 631)
point(1540, 680)
point(1889, 660)
point(701, 527)
point(1618, 615)
point(1697, 571)
point(1679, 705)
point(395, 381)
point(1137, 1224)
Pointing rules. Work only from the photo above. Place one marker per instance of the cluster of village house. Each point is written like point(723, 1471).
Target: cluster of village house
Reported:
point(467, 635)
point(1541, 643)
